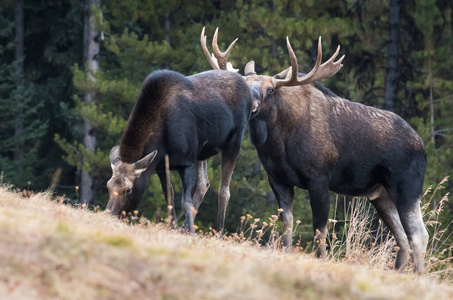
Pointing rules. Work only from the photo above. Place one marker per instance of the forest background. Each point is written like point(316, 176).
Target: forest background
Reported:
point(64, 101)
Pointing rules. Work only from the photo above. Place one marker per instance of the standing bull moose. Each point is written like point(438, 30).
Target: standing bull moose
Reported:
point(308, 137)
point(190, 119)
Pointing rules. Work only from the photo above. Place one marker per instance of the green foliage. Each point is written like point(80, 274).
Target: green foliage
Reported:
point(18, 100)
point(96, 162)
point(51, 45)
point(427, 16)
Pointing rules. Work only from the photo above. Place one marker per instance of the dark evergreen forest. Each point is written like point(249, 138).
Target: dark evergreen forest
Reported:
point(64, 101)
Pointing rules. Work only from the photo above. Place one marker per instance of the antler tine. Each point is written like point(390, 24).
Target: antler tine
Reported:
point(294, 64)
point(211, 61)
point(326, 70)
point(318, 62)
point(222, 57)
point(330, 67)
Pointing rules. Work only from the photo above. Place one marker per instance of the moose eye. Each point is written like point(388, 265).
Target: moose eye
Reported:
point(270, 91)
point(128, 191)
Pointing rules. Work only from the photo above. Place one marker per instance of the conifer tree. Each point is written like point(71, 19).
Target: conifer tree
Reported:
point(434, 85)
point(21, 128)
point(90, 56)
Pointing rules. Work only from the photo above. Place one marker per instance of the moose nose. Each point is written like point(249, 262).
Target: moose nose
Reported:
point(113, 208)
point(112, 201)
point(110, 206)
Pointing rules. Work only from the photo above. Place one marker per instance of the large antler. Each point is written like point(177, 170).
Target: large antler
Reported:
point(218, 60)
point(326, 70)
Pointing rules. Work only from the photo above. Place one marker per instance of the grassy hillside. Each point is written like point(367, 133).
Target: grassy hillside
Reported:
point(49, 250)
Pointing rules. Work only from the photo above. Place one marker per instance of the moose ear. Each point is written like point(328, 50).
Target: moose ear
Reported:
point(142, 164)
point(249, 68)
point(283, 74)
point(115, 157)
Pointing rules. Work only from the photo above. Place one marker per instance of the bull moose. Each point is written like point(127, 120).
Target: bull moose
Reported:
point(189, 119)
point(308, 137)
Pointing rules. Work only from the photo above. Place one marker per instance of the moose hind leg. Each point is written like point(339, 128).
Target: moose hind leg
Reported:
point(318, 190)
point(189, 182)
point(412, 221)
point(202, 183)
point(202, 186)
point(389, 214)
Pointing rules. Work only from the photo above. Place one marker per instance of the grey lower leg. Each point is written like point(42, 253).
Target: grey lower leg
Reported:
point(202, 186)
point(202, 183)
point(189, 183)
point(228, 164)
point(287, 228)
point(412, 221)
point(389, 214)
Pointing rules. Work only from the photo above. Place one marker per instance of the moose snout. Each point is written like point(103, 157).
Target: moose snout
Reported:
point(115, 203)
point(256, 98)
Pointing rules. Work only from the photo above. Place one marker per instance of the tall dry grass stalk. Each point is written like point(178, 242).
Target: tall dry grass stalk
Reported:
point(250, 231)
point(438, 260)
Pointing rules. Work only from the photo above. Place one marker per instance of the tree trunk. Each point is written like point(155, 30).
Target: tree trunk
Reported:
point(431, 97)
point(91, 51)
point(167, 35)
point(19, 73)
point(392, 55)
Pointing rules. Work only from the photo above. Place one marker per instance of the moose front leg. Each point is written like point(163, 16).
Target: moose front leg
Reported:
point(189, 183)
point(285, 197)
point(318, 190)
point(229, 157)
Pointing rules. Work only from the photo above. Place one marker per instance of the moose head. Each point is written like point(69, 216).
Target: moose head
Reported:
point(121, 185)
point(269, 86)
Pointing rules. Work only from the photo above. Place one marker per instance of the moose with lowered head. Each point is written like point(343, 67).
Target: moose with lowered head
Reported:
point(189, 119)
point(308, 137)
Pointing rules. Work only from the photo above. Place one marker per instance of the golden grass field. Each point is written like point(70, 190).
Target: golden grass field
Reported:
point(50, 250)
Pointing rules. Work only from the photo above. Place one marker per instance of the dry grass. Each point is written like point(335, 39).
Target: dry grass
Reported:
point(49, 250)
point(359, 243)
